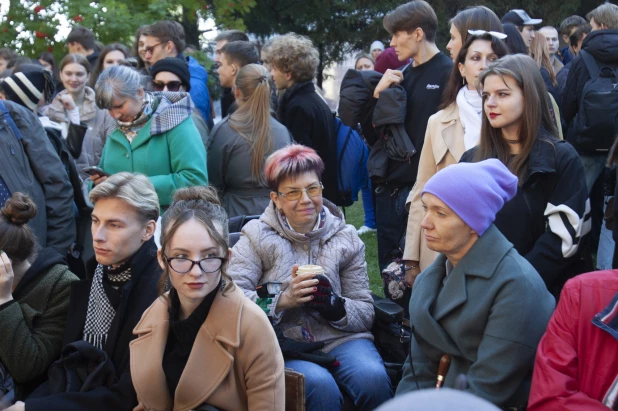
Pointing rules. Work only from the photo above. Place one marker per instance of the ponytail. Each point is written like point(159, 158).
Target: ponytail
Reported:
point(252, 119)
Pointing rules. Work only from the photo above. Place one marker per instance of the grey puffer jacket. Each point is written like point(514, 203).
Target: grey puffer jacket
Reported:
point(268, 249)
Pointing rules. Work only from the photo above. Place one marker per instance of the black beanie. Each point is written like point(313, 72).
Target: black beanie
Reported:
point(174, 65)
point(28, 85)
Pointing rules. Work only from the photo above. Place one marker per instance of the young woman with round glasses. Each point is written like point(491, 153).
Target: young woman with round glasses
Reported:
point(202, 342)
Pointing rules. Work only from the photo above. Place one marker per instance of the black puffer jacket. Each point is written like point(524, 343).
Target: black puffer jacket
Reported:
point(603, 45)
point(549, 215)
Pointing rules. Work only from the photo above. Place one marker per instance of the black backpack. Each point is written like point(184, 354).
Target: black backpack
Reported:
point(596, 122)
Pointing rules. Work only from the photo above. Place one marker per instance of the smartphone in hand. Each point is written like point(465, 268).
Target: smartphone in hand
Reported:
point(94, 170)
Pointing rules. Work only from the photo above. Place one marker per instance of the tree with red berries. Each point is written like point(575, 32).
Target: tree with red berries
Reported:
point(31, 27)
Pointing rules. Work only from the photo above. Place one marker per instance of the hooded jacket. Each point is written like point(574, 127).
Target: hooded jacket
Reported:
point(31, 165)
point(199, 90)
point(576, 364)
point(603, 45)
point(95, 125)
point(268, 249)
point(168, 148)
point(33, 322)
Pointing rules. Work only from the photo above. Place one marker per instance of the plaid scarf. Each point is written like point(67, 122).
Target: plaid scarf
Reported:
point(100, 312)
point(131, 128)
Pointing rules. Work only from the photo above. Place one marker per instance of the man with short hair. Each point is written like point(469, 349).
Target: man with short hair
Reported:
point(81, 41)
point(553, 43)
point(567, 29)
point(223, 38)
point(524, 23)
point(413, 26)
point(233, 57)
point(167, 39)
point(121, 284)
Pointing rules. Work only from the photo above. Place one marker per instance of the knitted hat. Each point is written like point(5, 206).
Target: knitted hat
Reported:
point(174, 65)
point(474, 191)
point(27, 86)
point(388, 60)
point(376, 45)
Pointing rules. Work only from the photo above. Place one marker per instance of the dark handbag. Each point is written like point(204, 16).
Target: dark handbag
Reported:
point(82, 367)
point(75, 138)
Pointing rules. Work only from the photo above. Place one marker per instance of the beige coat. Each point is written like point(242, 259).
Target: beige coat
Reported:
point(444, 145)
point(235, 363)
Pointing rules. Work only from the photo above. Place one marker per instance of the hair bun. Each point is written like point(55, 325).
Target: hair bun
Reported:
point(195, 193)
point(19, 209)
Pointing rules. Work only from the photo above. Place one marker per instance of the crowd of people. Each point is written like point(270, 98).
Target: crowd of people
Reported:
point(127, 283)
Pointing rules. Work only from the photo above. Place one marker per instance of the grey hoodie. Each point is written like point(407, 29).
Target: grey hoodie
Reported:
point(268, 249)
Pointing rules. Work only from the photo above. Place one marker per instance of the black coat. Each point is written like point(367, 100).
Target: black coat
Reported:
point(603, 45)
point(312, 124)
point(137, 295)
point(548, 216)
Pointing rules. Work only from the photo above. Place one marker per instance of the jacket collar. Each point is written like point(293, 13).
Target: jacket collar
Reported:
point(450, 113)
point(209, 362)
point(607, 320)
point(334, 221)
point(542, 157)
point(441, 294)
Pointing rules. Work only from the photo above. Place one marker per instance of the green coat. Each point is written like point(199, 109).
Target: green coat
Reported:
point(32, 325)
point(488, 314)
point(169, 151)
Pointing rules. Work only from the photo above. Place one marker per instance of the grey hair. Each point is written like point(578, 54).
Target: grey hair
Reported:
point(134, 189)
point(116, 82)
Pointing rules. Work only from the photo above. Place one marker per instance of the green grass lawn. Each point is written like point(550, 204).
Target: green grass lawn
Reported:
point(354, 215)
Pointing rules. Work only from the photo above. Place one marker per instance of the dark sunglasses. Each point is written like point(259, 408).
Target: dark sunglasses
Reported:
point(171, 85)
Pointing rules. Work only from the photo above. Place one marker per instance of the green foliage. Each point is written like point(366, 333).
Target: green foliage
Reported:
point(336, 27)
point(30, 27)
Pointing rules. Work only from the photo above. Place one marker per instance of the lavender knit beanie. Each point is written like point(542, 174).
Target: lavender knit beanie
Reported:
point(474, 191)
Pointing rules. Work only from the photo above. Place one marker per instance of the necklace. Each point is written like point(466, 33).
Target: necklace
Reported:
point(512, 141)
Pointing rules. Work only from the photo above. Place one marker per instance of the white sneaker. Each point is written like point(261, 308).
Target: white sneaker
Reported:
point(364, 230)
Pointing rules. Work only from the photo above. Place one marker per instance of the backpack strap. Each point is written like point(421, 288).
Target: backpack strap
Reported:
point(6, 116)
point(591, 64)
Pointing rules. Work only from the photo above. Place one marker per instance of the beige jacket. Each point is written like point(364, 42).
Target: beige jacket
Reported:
point(444, 145)
point(235, 363)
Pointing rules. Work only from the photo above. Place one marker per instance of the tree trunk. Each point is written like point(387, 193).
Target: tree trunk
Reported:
point(192, 32)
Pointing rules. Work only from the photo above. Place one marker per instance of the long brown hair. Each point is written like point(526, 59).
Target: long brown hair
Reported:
point(536, 115)
point(539, 52)
point(475, 18)
point(199, 203)
point(252, 119)
point(456, 81)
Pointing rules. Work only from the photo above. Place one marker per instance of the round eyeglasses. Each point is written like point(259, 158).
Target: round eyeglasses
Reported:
point(183, 265)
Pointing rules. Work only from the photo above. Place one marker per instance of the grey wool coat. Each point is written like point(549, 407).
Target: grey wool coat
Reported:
point(488, 314)
point(268, 249)
point(229, 168)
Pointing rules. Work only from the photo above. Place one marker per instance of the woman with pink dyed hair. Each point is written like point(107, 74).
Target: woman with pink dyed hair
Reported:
point(323, 312)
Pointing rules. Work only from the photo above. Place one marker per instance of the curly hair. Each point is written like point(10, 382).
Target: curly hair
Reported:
point(293, 54)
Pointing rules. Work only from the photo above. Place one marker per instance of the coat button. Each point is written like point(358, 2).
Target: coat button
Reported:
point(128, 155)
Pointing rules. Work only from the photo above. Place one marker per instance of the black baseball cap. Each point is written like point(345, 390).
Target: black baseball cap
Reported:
point(519, 17)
